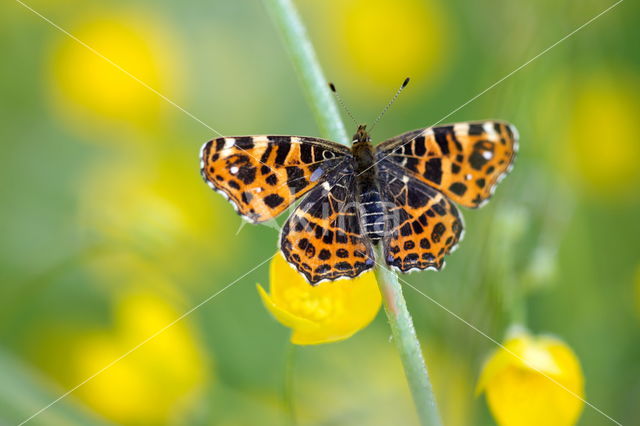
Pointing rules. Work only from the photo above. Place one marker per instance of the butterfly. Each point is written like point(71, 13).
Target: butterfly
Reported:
point(401, 193)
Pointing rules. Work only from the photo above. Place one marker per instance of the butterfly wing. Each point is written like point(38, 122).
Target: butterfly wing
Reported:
point(422, 224)
point(323, 237)
point(263, 175)
point(465, 161)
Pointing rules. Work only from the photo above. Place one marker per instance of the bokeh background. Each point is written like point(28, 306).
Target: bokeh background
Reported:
point(108, 233)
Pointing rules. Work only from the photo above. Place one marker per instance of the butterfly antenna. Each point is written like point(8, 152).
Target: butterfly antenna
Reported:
point(335, 92)
point(404, 84)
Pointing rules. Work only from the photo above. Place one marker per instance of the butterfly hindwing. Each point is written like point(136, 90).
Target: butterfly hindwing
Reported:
point(323, 237)
point(422, 224)
point(465, 161)
point(263, 175)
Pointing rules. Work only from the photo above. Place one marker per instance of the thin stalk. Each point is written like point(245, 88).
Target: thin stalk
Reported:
point(328, 119)
point(308, 68)
point(404, 336)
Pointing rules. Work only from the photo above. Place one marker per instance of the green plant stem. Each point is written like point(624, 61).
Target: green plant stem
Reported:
point(328, 119)
point(404, 336)
point(308, 69)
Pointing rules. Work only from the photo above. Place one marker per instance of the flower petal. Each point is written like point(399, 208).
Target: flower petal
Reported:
point(328, 312)
point(533, 380)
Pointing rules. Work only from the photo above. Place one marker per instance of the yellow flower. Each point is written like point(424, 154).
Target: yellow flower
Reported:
point(154, 382)
point(519, 382)
point(154, 207)
point(328, 312)
point(382, 42)
point(601, 132)
point(85, 85)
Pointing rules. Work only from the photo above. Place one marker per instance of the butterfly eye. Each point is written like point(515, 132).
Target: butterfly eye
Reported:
point(327, 154)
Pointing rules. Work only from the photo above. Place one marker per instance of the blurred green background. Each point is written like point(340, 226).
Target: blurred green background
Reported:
point(109, 234)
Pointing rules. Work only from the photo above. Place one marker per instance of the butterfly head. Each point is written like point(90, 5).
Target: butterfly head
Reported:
point(361, 136)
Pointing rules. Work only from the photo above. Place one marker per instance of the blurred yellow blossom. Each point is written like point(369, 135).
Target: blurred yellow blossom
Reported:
point(156, 380)
point(158, 208)
point(382, 42)
point(518, 386)
point(601, 134)
point(328, 312)
point(88, 86)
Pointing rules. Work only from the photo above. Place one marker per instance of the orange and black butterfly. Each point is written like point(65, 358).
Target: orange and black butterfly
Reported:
point(400, 193)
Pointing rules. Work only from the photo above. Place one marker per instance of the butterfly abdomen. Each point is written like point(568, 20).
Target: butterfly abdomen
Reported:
point(372, 214)
point(371, 209)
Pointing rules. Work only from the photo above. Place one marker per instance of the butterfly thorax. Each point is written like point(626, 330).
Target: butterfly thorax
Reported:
point(371, 209)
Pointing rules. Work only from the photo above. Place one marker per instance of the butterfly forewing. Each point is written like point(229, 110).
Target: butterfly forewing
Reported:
point(464, 161)
point(263, 175)
point(422, 224)
point(323, 237)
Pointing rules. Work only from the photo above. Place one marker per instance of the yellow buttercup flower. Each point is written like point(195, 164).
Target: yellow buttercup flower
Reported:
point(86, 85)
point(154, 382)
point(519, 382)
point(381, 42)
point(601, 131)
point(328, 312)
point(155, 208)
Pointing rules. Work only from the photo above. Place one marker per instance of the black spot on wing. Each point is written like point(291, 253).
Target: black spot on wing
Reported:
point(267, 152)
point(420, 147)
point(437, 232)
point(246, 174)
point(273, 200)
point(440, 134)
point(342, 253)
point(272, 179)
point(475, 129)
point(476, 160)
point(433, 170)
point(425, 244)
point(458, 188)
point(324, 254)
point(244, 142)
point(416, 198)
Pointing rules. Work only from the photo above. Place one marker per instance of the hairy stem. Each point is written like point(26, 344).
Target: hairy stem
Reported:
point(328, 119)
